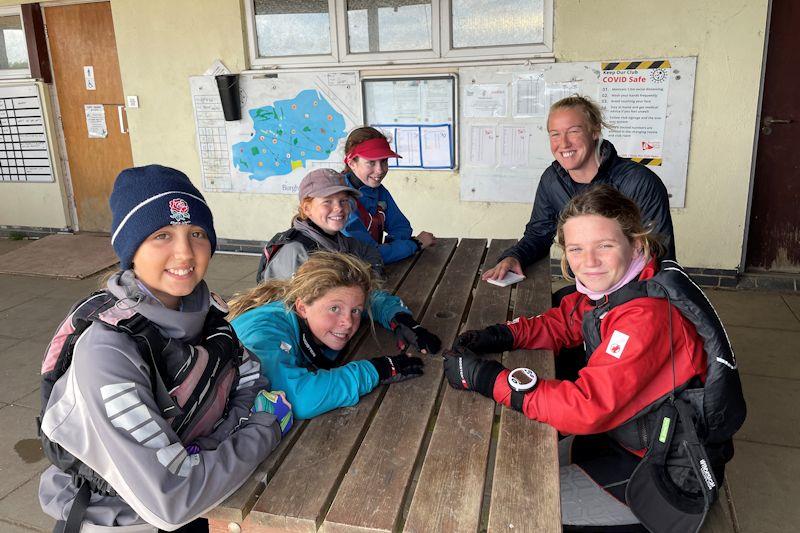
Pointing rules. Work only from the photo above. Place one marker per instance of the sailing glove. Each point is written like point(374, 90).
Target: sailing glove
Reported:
point(465, 371)
point(408, 331)
point(395, 368)
point(494, 339)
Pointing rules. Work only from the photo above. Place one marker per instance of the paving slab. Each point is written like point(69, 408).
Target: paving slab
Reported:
point(20, 368)
point(240, 286)
point(231, 267)
point(32, 400)
point(7, 342)
point(753, 309)
point(22, 507)
point(7, 527)
point(793, 301)
point(15, 290)
point(20, 452)
point(766, 352)
point(75, 289)
point(772, 414)
point(35, 317)
point(763, 483)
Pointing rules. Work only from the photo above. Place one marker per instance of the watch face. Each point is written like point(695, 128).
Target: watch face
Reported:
point(522, 379)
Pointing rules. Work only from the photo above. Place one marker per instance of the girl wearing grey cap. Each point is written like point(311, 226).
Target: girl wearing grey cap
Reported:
point(326, 201)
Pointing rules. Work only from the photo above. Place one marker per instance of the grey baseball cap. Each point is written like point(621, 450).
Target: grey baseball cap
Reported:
point(324, 182)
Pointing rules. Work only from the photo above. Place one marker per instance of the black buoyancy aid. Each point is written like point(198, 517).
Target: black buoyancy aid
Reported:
point(183, 416)
point(276, 243)
point(719, 403)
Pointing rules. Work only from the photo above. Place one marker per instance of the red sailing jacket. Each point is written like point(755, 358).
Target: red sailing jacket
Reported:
point(628, 371)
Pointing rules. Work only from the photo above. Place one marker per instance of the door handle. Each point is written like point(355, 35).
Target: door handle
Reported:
point(769, 121)
point(120, 113)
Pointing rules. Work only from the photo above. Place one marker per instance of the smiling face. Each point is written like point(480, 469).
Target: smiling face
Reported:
point(573, 143)
point(334, 317)
point(370, 172)
point(597, 250)
point(330, 212)
point(172, 261)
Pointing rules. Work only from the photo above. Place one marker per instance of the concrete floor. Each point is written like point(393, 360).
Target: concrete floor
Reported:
point(764, 328)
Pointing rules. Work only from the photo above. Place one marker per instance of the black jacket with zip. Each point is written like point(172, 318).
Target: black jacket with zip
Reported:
point(556, 188)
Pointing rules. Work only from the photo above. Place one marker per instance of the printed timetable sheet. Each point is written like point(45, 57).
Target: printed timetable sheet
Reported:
point(24, 152)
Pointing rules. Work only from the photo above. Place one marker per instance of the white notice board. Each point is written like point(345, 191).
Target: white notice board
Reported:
point(418, 115)
point(291, 123)
point(504, 144)
point(24, 148)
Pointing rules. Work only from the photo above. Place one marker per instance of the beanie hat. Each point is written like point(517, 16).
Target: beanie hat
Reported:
point(145, 199)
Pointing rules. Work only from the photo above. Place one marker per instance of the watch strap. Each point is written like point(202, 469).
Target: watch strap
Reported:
point(517, 399)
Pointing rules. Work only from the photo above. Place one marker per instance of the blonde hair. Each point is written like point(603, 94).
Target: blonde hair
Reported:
point(591, 111)
point(606, 201)
point(323, 272)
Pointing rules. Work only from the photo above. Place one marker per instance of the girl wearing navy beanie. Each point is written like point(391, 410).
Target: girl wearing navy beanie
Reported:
point(162, 413)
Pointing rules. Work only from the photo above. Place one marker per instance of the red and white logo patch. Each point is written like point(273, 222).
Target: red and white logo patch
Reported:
point(617, 344)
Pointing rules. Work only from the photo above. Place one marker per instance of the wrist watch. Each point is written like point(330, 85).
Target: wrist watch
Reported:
point(522, 381)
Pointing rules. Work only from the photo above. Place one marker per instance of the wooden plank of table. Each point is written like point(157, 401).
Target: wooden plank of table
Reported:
point(450, 489)
point(299, 494)
point(525, 487)
point(370, 497)
point(237, 506)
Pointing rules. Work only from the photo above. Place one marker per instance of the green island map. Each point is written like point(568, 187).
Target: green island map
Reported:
point(289, 133)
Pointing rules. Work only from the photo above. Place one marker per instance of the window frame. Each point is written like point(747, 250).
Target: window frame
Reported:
point(508, 51)
point(348, 58)
point(441, 50)
point(303, 60)
point(16, 73)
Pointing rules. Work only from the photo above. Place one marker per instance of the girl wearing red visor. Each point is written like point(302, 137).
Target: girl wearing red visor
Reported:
point(377, 219)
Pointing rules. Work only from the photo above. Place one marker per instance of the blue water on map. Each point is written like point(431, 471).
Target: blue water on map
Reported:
point(289, 133)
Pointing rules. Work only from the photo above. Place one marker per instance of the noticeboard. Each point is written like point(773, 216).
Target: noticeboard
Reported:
point(418, 114)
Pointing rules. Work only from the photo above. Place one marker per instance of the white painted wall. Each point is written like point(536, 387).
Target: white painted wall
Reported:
point(161, 44)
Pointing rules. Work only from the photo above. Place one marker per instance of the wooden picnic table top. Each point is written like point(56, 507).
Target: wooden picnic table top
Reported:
point(418, 455)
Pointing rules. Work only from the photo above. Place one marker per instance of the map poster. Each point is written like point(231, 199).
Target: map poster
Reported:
point(288, 133)
point(634, 102)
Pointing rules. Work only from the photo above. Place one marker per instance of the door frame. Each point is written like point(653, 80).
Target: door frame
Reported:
point(756, 137)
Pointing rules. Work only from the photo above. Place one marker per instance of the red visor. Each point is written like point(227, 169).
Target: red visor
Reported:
point(372, 149)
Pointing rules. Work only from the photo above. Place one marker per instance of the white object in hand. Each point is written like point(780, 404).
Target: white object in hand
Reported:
point(509, 279)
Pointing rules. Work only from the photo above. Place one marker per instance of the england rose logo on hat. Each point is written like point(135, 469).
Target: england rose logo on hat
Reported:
point(179, 211)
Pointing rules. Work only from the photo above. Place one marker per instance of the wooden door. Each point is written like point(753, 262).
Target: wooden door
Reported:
point(82, 35)
point(774, 237)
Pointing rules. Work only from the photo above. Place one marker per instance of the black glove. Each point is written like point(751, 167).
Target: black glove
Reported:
point(394, 368)
point(408, 331)
point(494, 339)
point(218, 335)
point(465, 371)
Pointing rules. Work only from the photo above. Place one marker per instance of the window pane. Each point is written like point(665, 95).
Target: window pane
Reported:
point(292, 27)
point(497, 22)
point(388, 25)
point(13, 52)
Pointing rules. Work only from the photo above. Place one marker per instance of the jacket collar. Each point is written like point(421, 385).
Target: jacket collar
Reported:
point(184, 325)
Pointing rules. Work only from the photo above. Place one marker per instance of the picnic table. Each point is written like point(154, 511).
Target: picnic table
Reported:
point(418, 455)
